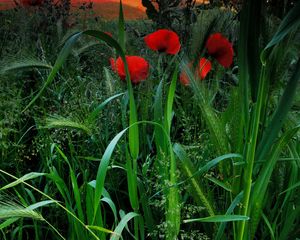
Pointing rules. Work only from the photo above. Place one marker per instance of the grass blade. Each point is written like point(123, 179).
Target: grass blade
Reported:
point(118, 231)
point(218, 218)
point(100, 229)
point(23, 64)
point(59, 62)
point(189, 170)
point(262, 181)
point(296, 185)
point(231, 208)
point(93, 115)
point(280, 114)
point(26, 177)
point(289, 23)
point(64, 53)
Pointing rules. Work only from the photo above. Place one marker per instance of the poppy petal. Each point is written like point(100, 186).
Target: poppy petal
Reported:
point(163, 40)
point(138, 68)
point(204, 68)
point(220, 48)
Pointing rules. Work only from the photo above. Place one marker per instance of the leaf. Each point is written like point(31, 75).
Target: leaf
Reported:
point(26, 177)
point(262, 182)
point(219, 218)
point(40, 204)
point(189, 170)
point(289, 23)
point(219, 183)
point(267, 222)
point(100, 229)
point(59, 62)
point(112, 207)
point(173, 205)
point(8, 222)
point(279, 115)
point(74, 185)
point(102, 169)
point(214, 124)
point(217, 160)
point(64, 53)
point(232, 206)
point(21, 64)
point(118, 231)
point(173, 209)
point(170, 99)
point(158, 109)
point(93, 115)
point(121, 25)
point(291, 188)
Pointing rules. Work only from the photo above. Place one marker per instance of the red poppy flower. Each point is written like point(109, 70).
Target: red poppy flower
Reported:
point(201, 71)
point(138, 68)
point(163, 40)
point(220, 48)
point(28, 3)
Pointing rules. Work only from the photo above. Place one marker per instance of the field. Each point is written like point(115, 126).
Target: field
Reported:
point(182, 126)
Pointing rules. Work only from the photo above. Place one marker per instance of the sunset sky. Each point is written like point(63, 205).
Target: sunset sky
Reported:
point(133, 9)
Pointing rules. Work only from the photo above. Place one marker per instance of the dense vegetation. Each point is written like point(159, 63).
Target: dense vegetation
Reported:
point(179, 142)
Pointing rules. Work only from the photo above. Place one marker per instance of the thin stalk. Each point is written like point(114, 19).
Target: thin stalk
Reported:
point(54, 229)
point(250, 151)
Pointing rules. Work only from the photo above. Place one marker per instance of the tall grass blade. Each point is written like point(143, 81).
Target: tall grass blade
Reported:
point(93, 115)
point(288, 24)
point(296, 185)
point(218, 218)
point(189, 171)
point(230, 210)
point(267, 222)
point(22, 179)
point(8, 222)
point(102, 169)
point(100, 229)
point(112, 207)
point(102, 36)
point(59, 62)
point(173, 208)
point(170, 99)
point(22, 64)
point(74, 185)
point(279, 115)
point(118, 230)
point(261, 184)
point(214, 124)
point(121, 25)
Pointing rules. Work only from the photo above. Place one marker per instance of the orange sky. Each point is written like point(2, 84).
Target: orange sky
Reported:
point(133, 9)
